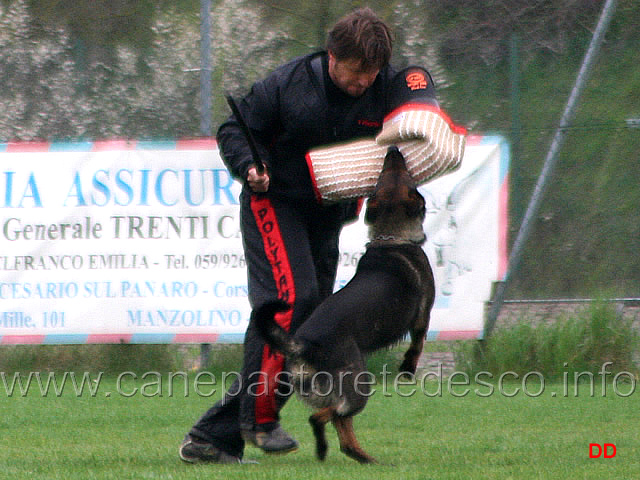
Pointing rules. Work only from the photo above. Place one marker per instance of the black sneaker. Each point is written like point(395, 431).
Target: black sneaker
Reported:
point(199, 451)
point(274, 441)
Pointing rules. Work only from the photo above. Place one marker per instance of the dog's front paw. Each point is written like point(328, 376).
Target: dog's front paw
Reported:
point(407, 368)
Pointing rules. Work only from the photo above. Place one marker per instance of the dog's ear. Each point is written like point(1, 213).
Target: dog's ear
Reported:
point(371, 214)
point(415, 207)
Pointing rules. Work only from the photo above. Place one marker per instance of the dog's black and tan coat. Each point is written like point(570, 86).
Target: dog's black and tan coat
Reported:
point(390, 295)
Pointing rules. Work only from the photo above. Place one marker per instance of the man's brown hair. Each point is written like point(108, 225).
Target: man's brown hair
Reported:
point(361, 35)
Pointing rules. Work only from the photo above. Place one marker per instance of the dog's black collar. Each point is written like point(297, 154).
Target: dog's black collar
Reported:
point(392, 241)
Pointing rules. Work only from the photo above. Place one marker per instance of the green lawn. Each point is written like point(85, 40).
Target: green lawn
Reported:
point(417, 437)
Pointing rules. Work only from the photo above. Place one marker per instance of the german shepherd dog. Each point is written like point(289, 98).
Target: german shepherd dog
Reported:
point(390, 295)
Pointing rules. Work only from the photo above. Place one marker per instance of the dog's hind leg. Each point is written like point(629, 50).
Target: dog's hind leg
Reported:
point(348, 443)
point(318, 421)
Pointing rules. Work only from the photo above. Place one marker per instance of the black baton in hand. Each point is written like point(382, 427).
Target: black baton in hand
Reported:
point(245, 129)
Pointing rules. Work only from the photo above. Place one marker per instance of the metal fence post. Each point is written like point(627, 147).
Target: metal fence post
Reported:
point(205, 67)
point(549, 163)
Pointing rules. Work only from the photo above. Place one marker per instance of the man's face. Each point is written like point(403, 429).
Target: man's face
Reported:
point(349, 75)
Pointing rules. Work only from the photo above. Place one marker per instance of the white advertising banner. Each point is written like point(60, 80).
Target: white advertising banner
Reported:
point(138, 242)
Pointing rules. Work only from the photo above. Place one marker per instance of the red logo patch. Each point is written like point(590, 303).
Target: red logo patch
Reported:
point(369, 123)
point(416, 81)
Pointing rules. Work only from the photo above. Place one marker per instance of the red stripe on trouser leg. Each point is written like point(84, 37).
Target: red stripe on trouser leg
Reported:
point(272, 362)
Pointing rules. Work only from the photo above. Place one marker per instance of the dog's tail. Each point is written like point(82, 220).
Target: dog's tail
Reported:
point(276, 336)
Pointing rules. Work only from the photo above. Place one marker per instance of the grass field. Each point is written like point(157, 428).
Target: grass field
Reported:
point(135, 435)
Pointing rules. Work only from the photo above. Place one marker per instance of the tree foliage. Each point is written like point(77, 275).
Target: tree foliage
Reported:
point(51, 88)
point(479, 31)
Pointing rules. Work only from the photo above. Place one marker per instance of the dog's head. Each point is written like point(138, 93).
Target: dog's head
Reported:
point(396, 210)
